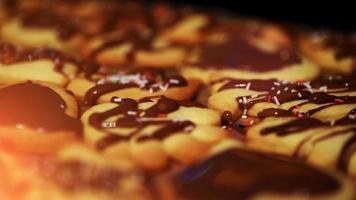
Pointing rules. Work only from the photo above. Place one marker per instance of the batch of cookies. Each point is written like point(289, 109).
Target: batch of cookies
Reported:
point(131, 100)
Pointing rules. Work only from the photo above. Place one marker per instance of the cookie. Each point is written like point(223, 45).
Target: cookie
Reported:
point(37, 117)
point(160, 36)
point(245, 174)
point(38, 64)
point(308, 139)
point(328, 98)
point(75, 172)
point(334, 52)
point(264, 52)
point(135, 84)
point(154, 127)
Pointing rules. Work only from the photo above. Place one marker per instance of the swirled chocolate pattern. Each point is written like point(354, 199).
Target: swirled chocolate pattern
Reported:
point(133, 117)
point(146, 79)
point(322, 92)
point(301, 125)
point(242, 174)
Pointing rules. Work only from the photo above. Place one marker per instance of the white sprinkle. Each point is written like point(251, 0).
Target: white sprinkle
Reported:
point(332, 122)
point(248, 86)
point(299, 95)
point(95, 92)
point(174, 81)
point(244, 116)
point(254, 96)
point(307, 85)
point(323, 88)
point(62, 106)
point(151, 90)
point(285, 82)
point(130, 112)
point(189, 128)
point(293, 90)
point(100, 82)
point(108, 124)
point(240, 100)
point(272, 88)
point(224, 127)
point(164, 87)
point(286, 89)
point(244, 100)
point(352, 116)
point(117, 99)
point(277, 83)
point(276, 100)
point(346, 84)
point(278, 92)
point(239, 85)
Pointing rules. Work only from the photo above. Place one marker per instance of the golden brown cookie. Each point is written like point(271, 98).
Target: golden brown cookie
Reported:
point(256, 51)
point(155, 127)
point(328, 98)
point(333, 52)
point(323, 144)
point(37, 117)
point(134, 84)
point(38, 64)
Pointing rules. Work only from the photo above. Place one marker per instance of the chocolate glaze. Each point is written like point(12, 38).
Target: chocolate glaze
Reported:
point(154, 80)
point(35, 106)
point(241, 174)
point(133, 117)
point(238, 53)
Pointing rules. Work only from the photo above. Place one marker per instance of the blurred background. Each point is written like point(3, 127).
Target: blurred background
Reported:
point(337, 15)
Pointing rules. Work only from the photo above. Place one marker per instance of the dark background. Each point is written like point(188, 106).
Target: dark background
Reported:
point(337, 15)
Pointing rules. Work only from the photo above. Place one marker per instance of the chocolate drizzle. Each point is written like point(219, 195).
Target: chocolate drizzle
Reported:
point(145, 79)
point(35, 106)
point(241, 174)
point(279, 92)
point(10, 54)
point(238, 53)
point(302, 124)
point(133, 117)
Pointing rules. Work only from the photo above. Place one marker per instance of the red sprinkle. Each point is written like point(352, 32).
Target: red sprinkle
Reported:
point(162, 115)
point(268, 98)
point(339, 100)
